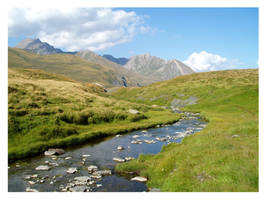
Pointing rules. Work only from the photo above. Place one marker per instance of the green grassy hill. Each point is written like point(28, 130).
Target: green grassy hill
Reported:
point(224, 155)
point(74, 67)
point(50, 110)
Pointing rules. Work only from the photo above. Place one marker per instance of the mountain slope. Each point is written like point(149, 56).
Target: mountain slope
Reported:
point(139, 79)
point(74, 67)
point(38, 47)
point(47, 110)
point(120, 61)
point(157, 68)
point(221, 157)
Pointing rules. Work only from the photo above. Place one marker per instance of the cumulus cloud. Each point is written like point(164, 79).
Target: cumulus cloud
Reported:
point(77, 28)
point(205, 61)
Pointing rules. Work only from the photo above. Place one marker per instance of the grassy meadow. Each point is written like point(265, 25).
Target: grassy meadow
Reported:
point(221, 157)
point(50, 110)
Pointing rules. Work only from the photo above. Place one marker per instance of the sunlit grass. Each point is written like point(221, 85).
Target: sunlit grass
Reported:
point(213, 159)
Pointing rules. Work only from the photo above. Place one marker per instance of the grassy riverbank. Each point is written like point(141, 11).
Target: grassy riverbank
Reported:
point(48, 110)
point(224, 155)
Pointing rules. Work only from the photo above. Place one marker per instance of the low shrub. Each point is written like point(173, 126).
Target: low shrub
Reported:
point(138, 117)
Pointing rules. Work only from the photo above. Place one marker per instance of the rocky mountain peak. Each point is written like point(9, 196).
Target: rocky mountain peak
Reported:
point(37, 46)
point(157, 68)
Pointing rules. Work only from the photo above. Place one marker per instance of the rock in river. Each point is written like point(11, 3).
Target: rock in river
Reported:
point(51, 152)
point(139, 178)
point(118, 159)
point(81, 180)
point(42, 168)
point(120, 148)
point(31, 190)
point(86, 155)
point(92, 168)
point(72, 170)
point(149, 141)
point(79, 189)
point(103, 172)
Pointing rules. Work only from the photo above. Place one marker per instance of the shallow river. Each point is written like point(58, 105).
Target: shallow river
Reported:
point(22, 175)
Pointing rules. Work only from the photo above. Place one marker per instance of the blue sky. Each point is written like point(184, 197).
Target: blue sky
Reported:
point(208, 38)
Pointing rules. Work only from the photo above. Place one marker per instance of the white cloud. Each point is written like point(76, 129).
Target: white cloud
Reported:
point(205, 61)
point(78, 28)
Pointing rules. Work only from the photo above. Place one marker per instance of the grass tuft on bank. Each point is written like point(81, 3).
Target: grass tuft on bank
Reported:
point(224, 155)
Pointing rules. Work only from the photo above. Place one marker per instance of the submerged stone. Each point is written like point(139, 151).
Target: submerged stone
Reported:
point(42, 168)
point(72, 170)
point(79, 189)
point(92, 168)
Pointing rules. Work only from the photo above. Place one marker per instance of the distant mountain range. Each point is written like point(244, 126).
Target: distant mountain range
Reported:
point(120, 61)
point(157, 68)
point(137, 71)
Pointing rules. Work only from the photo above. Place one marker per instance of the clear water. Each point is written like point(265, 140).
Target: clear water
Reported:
point(102, 152)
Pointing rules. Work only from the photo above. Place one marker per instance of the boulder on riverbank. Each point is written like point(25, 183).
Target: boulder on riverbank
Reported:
point(139, 178)
point(132, 111)
point(118, 159)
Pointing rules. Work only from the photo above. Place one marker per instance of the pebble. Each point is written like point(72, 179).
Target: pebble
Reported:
point(120, 148)
point(149, 141)
point(86, 155)
point(234, 136)
point(135, 136)
point(27, 177)
point(103, 172)
point(118, 135)
point(72, 170)
point(42, 168)
point(81, 180)
point(92, 168)
point(99, 185)
point(78, 189)
point(31, 182)
point(34, 176)
point(67, 158)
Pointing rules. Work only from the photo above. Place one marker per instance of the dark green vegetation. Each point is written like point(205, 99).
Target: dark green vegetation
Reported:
point(75, 67)
point(224, 155)
point(49, 110)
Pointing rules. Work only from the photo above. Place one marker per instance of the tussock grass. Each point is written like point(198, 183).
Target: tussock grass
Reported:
point(213, 159)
